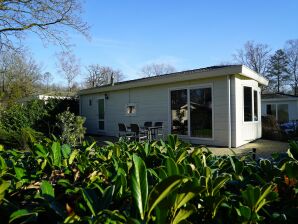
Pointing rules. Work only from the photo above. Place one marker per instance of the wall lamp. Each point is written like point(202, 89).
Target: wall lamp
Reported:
point(106, 96)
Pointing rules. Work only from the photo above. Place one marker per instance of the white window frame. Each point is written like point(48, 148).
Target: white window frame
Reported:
point(130, 105)
point(188, 88)
point(253, 104)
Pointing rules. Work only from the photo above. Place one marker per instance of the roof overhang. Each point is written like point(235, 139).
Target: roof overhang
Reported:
point(279, 99)
point(179, 77)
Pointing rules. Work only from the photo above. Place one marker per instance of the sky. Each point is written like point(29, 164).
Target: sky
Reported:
point(189, 34)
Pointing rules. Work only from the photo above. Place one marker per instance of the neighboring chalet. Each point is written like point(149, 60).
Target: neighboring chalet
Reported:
point(43, 97)
point(219, 105)
point(284, 107)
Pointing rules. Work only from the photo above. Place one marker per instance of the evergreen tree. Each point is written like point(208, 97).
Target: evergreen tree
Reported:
point(278, 74)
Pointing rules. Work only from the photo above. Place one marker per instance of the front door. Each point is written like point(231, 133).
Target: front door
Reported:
point(101, 114)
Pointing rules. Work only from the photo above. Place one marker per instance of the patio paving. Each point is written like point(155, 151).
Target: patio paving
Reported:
point(264, 148)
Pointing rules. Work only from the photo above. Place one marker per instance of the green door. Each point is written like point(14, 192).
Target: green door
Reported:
point(101, 114)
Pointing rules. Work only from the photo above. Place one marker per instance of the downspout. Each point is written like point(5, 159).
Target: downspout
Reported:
point(229, 111)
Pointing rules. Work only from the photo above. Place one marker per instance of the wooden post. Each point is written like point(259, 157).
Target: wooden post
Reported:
point(254, 152)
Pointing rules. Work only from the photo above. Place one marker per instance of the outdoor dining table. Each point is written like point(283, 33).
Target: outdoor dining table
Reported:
point(152, 131)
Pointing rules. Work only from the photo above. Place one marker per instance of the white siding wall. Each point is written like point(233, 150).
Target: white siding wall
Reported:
point(152, 104)
point(244, 132)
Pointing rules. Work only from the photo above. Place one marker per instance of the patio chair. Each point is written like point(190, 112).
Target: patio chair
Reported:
point(123, 132)
point(138, 133)
point(158, 133)
point(147, 124)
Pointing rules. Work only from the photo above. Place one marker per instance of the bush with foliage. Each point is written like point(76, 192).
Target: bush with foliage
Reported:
point(145, 183)
point(71, 126)
point(19, 124)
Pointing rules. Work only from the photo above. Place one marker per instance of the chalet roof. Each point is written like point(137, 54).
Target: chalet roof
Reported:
point(207, 72)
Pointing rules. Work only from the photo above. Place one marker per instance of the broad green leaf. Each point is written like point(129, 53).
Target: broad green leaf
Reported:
point(139, 185)
point(3, 187)
point(72, 156)
point(187, 192)
point(107, 197)
point(219, 183)
point(171, 167)
point(182, 156)
point(262, 199)
point(244, 211)
point(89, 201)
point(3, 165)
point(66, 150)
point(20, 172)
point(91, 146)
point(47, 189)
point(183, 214)
point(251, 195)
point(162, 190)
point(21, 214)
point(56, 154)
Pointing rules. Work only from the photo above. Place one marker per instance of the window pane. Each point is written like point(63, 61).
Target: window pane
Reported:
point(179, 110)
point(101, 125)
point(201, 113)
point(247, 103)
point(256, 109)
point(271, 109)
point(101, 109)
point(282, 113)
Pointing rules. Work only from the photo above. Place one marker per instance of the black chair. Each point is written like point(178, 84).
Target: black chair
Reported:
point(157, 131)
point(158, 124)
point(138, 133)
point(123, 131)
point(147, 124)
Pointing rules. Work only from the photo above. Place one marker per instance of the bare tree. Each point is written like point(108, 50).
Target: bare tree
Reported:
point(47, 77)
point(102, 75)
point(291, 49)
point(157, 69)
point(255, 56)
point(69, 66)
point(50, 20)
point(20, 74)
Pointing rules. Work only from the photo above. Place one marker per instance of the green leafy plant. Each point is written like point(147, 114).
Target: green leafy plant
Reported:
point(133, 182)
point(71, 126)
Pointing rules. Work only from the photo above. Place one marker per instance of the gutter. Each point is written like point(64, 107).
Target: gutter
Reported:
point(229, 111)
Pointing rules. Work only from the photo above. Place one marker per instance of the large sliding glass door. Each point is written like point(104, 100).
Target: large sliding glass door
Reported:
point(191, 112)
point(179, 112)
point(201, 113)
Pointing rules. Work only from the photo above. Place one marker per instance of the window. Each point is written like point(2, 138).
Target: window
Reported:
point(131, 109)
point(247, 103)
point(271, 109)
point(90, 102)
point(179, 112)
point(256, 109)
point(201, 113)
point(279, 111)
point(101, 114)
point(282, 113)
point(191, 112)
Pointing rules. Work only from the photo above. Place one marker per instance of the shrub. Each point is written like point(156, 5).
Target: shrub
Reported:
point(20, 123)
point(145, 183)
point(271, 129)
point(71, 127)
